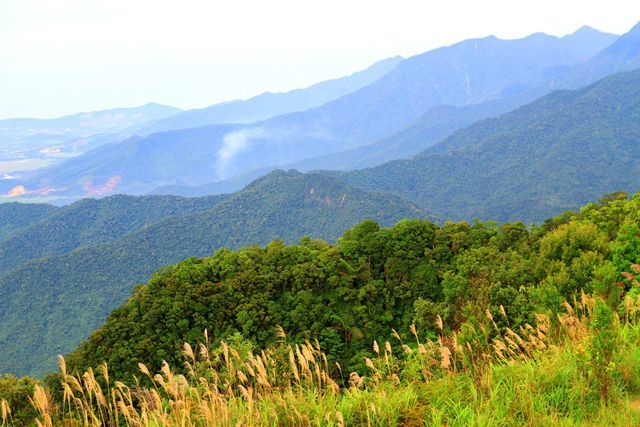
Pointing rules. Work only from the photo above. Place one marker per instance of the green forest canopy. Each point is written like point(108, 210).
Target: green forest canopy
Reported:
point(372, 281)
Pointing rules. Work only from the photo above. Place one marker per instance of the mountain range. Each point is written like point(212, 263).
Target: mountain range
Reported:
point(440, 122)
point(551, 155)
point(269, 105)
point(467, 73)
point(32, 144)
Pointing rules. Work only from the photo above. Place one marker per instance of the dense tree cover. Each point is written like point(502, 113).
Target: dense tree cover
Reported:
point(554, 154)
point(91, 221)
point(17, 392)
point(16, 216)
point(374, 279)
point(49, 305)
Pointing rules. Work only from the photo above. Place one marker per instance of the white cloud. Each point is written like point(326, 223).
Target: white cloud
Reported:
point(233, 144)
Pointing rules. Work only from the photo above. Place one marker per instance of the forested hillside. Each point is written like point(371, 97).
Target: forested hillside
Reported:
point(373, 281)
point(91, 221)
point(16, 216)
point(67, 296)
point(416, 323)
point(551, 155)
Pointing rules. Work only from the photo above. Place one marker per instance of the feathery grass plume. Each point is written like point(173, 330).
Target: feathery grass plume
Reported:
point(280, 333)
point(5, 411)
point(445, 357)
point(387, 348)
point(413, 331)
point(506, 373)
point(41, 401)
point(503, 311)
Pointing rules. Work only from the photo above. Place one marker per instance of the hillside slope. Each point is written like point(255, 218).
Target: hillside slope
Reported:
point(17, 216)
point(553, 154)
point(373, 282)
point(92, 221)
point(61, 299)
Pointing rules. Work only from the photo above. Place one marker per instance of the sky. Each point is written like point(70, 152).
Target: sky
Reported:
point(59, 57)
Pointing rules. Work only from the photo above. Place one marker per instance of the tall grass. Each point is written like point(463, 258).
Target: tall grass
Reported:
point(482, 375)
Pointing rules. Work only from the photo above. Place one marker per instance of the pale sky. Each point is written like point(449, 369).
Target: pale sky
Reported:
point(64, 56)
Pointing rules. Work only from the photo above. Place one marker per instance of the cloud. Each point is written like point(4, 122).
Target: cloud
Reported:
point(233, 144)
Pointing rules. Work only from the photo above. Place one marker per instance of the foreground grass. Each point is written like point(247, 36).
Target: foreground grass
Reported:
point(540, 376)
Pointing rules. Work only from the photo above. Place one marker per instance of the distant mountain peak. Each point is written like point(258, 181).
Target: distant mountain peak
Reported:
point(634, 31)
point(626, 48)
point(538, 35)
point(585, 29)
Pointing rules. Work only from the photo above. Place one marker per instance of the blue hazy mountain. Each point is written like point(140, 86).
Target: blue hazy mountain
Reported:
point(90, 123)
point(548, 156)
point(28, 144)
point(269, 105)
point(470, 72)
point(441, 121)
point(623, 55)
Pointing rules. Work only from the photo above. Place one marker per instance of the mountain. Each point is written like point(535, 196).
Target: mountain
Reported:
point(89, 123)
point(90, 222)
point(551, 155)
point(431, 128)
point(621, 55)
point(441, 121)
point(470, 72)
point(61, 299)
point(16, 216)
point(618, 54)
point(269, 105)
point(29, 144)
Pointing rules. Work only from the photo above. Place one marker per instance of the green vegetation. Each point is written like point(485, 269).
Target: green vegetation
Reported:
point(16, 216)
point(372, 281)
point(554, 154)
point(14, 396)
point(414, 324)
point(484, 374)
point(89, 222)
point(52, 304)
